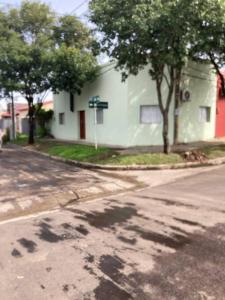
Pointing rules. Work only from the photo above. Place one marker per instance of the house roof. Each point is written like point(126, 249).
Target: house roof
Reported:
point(7, 114)
point(24, 107)
point(20, 106)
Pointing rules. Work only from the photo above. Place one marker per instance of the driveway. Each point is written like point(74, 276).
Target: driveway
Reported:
point(166, 242)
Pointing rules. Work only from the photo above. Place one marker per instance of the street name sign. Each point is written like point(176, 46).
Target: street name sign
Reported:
point(95, 102)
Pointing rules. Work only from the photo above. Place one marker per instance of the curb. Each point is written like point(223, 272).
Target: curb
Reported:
point(91, 166)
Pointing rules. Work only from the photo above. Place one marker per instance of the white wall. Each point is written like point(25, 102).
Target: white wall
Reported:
point(142, 91)
point(201, 81)
point(114, 130)
point(68, 131)
point(122, 126)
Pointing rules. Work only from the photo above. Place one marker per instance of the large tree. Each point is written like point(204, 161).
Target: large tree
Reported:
point(159, 34)
point(36, 55)
point(207, 20)
point(73, 59)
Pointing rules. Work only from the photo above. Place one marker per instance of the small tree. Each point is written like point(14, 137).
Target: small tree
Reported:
point(35, 54)
point(25, 56)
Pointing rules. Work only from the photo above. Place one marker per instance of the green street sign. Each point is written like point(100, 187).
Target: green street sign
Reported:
point(94, 99)
point(94, 102)
point(103, 105)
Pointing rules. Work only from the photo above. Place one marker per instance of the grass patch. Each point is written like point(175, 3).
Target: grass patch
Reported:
point(21, 139)
point(68, 151)
point(213, 152)
point(144, 159)
point(79, 152)
point(104, 155)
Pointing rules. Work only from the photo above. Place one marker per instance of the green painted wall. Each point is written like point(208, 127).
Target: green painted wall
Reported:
point(202, 83)
point(114, 130)
point(199, 80)
point(122, 125)
point(142, 91)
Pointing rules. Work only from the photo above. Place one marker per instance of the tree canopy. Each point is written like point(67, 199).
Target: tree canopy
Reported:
point(40, 50)
point(162, 35)
point(207, 19)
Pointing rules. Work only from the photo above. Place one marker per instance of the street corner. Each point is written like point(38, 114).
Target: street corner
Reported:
point(31, 183)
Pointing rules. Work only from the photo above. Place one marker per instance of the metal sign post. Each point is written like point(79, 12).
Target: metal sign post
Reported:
point(95, 103)
point(96, 139)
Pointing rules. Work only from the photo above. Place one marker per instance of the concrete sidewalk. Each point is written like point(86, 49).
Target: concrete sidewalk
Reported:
point(174, 148)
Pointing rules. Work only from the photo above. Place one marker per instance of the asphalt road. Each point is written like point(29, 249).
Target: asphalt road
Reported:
point(166, 242)
point(30, 183)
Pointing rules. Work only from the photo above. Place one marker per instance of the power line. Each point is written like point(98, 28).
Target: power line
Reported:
point(79, 6)
point(83, 14)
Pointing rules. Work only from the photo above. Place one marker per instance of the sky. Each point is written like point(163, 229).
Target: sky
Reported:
point(61, 6)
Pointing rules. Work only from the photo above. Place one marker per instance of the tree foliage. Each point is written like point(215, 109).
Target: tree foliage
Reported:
point(73, 62)
point(162, 35)
point(41, 51)
point(71, 68)
point(43, 117)
point(207, 18)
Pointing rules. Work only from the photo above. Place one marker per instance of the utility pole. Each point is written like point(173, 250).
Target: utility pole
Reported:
point(177, 106)
point(13, 117)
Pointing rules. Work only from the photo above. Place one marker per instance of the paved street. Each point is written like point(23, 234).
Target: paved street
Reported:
point(31, 183)
point(163, 242)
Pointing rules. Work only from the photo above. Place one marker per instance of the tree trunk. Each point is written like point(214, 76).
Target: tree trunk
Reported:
point(164, 112)
point(166, 142)
point(165, 108)
point(31, 120)
point(177, 105)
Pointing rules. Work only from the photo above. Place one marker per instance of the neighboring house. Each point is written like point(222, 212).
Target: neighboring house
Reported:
point(133, 117)
point(5, 120)
point(220, 111)
point(22, 121)
point(22, 109)
point(21, 116)
point(2, 111)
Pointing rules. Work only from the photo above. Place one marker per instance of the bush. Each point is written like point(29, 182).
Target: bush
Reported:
point(42, 132)
point(6, 136)
point(43, 117)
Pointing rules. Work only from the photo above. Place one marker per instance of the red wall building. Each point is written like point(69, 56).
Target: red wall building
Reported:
point(220, 111)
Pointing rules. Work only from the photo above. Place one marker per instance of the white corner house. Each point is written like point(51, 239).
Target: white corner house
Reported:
point(133, 117)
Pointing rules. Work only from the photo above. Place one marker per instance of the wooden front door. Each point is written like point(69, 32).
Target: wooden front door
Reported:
point(82, 125)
